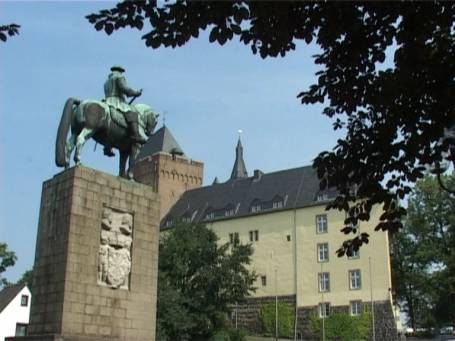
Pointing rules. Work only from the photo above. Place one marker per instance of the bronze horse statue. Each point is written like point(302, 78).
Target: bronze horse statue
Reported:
point(95, 119)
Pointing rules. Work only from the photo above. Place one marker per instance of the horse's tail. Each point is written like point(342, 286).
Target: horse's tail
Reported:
point(62, 132)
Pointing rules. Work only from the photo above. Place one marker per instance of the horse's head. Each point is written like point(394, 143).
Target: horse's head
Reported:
point(147, 117)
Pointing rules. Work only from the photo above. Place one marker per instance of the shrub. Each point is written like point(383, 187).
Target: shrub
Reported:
point(228, 334)
point(342, 326)
point(285, 319)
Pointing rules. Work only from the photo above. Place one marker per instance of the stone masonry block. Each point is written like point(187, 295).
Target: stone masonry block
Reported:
point(69, 304)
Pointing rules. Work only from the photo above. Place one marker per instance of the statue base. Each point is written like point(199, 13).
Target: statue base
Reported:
point(96, 262)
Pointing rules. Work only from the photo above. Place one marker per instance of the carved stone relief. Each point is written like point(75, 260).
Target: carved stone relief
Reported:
point(114, 264)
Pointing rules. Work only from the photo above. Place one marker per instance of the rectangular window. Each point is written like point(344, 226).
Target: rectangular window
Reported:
point(21, 329)
point(355, 254)
point(264, 280)
point(254, 236)
point(321, 223)
point(233, 238)
point(324, 309)
point(256, 208)
point(355, 281)
point(324, 282)
point(288, 237)
point(24, 301)
point(322, 197)
point(229, 212)
point(356, 308)
point(277, 204)
point(323, 252)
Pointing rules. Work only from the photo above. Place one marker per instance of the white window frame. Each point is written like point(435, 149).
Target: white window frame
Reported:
point(322, 225)
point(322, 197)
point(324, 309)
point(324, 282)
point(323, 250)
point(277, 204)
point(355, 308)
point(229, 212)
point(24, 300)
point(355, 254)
point(355, 279)
point(256, 208)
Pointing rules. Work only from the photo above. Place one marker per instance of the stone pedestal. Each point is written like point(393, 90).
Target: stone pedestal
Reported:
point(96, 263)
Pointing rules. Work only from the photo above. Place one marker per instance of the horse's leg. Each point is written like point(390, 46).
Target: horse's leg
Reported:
point(83, 136)
point(69, 147)
point(122, 163)
point(132, 160)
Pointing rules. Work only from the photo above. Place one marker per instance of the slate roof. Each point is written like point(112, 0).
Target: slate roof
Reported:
point(8, 294)
point(239, 168)
point(295, 188)
point(160, 141)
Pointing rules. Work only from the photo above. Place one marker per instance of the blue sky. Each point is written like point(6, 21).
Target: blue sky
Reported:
point(208, 92)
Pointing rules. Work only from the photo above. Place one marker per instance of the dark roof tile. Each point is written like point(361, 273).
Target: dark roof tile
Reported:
point(8, 294)
point(161, 141)
point(298, 187)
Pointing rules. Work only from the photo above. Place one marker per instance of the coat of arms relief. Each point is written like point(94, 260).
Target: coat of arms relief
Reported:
point(114, 265)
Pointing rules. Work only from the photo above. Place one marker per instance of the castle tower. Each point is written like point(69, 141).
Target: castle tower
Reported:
point(163, 165)
point(239, 170)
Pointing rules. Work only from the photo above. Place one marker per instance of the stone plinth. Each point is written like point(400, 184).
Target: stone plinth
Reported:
point(91, 225)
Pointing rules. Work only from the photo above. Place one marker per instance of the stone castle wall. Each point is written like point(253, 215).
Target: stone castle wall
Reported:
point(246, 316)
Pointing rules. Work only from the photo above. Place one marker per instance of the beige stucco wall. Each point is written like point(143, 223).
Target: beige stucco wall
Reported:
point(274, 252)
point(309, 267)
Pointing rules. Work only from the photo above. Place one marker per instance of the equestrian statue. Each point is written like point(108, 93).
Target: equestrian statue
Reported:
point(111, 122)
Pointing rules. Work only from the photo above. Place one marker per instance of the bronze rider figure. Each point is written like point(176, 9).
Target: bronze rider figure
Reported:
point(115, 90)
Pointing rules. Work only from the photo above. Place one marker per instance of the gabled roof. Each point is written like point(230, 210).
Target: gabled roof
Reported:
point(8, 294)
point(160, 141)
point(298, 187)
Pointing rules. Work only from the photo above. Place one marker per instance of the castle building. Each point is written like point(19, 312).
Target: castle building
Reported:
point(294, 239)
point(163, 165)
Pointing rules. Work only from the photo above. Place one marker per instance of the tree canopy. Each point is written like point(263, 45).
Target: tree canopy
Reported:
point(394, 117)
point(7, 258)
point(423, 257)
point(8, 30)
point(199, 282)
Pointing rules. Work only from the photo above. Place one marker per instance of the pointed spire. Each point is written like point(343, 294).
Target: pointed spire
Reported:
point(239, 169)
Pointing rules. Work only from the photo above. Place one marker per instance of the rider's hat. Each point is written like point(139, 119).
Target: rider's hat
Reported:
point(117, 68)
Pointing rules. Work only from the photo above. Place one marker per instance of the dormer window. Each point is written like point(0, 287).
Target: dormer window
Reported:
point(210, 215)
point(169, 222)
point(256, 208)
point(229, 212)
point(186, 219)
point(322, 197)
point(277, 204)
